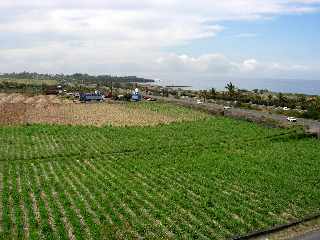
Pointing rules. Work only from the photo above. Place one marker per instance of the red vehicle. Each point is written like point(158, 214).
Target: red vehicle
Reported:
point(147, 98)
point(109, 95)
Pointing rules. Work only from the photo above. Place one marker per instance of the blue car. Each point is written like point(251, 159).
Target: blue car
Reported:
point(136, 97)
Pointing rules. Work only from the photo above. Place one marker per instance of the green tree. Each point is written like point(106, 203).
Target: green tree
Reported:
point(302, 101)
point(282, 99)
point(231, 88)
point(313, 110)
point(270, 97)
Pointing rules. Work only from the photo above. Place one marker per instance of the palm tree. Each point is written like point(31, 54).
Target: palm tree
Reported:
point(231, 88)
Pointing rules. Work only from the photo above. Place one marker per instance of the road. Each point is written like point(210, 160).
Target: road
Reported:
point(309, 236)
point(313, 126)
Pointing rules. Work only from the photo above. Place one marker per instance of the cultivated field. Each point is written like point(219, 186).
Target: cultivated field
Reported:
point(21, 109)
point(30, 81)
point(207, 179)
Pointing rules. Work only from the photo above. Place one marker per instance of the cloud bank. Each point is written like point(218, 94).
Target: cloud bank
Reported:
point(125, 36)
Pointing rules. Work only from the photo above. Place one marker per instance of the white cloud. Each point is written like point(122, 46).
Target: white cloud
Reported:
point(249, 65)
point(97, 36)
point(219, 65)
point(133, 27)
point(214, 63)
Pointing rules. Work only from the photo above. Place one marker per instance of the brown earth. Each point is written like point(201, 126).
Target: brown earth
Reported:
point(20, 109)
point(12, 113)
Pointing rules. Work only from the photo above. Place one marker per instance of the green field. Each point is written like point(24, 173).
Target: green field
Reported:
point(207, 179)
point(29, 81)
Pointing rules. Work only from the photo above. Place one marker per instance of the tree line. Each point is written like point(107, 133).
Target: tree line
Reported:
point(80, 78)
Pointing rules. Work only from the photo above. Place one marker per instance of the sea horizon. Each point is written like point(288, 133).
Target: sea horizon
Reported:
point(297, 86)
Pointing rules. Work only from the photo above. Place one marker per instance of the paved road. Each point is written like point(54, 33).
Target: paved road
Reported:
point(309, 236)
point(312, 125)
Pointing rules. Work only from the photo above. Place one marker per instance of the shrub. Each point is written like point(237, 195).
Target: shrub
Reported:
point(312, 112)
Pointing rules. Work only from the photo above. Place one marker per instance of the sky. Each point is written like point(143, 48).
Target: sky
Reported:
point(169, 40)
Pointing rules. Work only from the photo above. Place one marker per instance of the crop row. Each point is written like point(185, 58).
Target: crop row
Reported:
point(75, 200)
point(133, 198)
point(210, 179)
point(41, 141)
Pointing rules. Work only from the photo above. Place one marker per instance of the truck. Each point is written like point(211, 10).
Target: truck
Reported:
point(136, 96)
point(88, 97)
point(53, 90)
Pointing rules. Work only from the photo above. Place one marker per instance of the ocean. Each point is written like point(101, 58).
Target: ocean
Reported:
point(311, 87)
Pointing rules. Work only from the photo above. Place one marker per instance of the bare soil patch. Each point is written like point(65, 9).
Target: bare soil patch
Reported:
point(19, 109)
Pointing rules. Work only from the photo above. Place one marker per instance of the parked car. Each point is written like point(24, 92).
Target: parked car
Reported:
point(199, 101)
point(226, 107)
point(291, 119)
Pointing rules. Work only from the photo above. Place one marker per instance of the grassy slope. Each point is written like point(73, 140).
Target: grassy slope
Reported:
point(213, 178)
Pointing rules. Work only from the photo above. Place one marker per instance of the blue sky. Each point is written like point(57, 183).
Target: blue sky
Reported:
point(293, 38)
point(167, 39)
